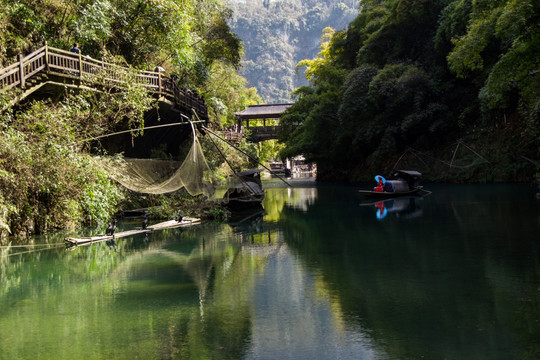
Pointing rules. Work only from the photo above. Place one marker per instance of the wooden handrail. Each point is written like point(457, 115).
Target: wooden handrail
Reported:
point(49, 60)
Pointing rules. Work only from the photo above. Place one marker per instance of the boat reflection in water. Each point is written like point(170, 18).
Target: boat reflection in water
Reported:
point(404, 207)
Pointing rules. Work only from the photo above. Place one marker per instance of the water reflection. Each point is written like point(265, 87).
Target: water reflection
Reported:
point(313, 276)
point(402, 207)
point(422, 286)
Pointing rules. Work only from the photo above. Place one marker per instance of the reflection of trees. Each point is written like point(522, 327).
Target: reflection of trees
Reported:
point(278, 198)
point(172, 295)
point(417, 284)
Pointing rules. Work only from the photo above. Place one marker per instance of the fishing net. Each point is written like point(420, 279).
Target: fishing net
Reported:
point(460, 157)
point(153, 176)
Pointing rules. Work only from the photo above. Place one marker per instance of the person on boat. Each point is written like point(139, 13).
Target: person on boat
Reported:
point(380, 184)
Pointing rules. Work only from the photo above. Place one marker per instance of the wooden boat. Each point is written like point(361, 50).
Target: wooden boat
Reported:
point(386, 194)
point(247, 193)
point(160, 226)
point(277, 168)
point(404, 184)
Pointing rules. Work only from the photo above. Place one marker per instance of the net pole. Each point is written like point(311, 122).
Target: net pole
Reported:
point(134, 130)
point(454, 156)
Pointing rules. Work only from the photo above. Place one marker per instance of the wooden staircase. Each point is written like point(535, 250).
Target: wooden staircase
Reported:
point(49, 65)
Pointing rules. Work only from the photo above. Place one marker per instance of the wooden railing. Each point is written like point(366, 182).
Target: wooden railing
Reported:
point(232, 136)
point(260, 133)
point(25, 74)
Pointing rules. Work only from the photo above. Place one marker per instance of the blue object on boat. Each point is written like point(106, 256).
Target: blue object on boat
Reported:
point(380, 178)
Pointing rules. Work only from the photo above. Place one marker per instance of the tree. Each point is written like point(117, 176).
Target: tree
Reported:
point(417, 74)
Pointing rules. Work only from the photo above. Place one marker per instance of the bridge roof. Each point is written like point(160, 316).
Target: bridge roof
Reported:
point(269, 111)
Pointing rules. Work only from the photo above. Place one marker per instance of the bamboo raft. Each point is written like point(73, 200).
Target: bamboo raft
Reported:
point(160, 226)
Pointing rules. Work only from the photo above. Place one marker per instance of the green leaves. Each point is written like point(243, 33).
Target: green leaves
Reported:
point(467, 54)
point(501, 48)
point(45, 170)
point(424, 72)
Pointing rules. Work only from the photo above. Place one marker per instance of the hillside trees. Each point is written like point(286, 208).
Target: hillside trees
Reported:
point(47, 181)
point(48, 178)
point(185, 37)
point(417, 73)
point(278, 34)
point(503, 42)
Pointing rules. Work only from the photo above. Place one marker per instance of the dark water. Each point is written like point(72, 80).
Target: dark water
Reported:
point(321, 275)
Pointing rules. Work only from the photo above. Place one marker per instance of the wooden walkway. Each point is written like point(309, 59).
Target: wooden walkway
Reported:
point(171, 224)
point(34, 70)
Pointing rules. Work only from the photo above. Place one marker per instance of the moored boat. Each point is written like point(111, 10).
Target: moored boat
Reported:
point(405, 183)
point(247, 193)
point(277, 168)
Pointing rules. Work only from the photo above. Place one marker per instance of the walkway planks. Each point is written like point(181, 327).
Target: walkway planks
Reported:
point(160, 226)
point(33, 71)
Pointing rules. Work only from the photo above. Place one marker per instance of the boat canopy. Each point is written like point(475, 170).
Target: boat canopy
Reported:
point(407, 174)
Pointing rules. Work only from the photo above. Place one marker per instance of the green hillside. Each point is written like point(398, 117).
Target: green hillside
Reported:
point(448, 87)
point(279, 34)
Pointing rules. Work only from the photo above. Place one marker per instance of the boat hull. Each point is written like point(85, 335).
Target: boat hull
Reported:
point(237, 204)
point(386, 194)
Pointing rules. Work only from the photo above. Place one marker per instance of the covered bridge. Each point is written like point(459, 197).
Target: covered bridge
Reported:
point(261, 112)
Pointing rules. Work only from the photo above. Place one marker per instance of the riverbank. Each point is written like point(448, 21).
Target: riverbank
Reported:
point(499, 153)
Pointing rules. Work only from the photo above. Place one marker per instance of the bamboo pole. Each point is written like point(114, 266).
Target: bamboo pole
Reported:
point(243, 152)
point(134, 130)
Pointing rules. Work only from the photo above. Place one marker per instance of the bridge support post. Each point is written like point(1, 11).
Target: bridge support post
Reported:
point(21, 71)
point(46, 57)
point(80, 65)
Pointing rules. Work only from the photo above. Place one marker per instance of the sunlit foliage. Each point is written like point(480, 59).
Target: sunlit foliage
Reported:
point(48, 178)
point(418, 73)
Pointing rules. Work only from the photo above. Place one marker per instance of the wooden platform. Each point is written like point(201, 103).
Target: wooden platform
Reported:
point(160, 226)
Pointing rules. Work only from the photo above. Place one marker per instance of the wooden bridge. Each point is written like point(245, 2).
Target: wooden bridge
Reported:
point(261, 112)
point(49, 65)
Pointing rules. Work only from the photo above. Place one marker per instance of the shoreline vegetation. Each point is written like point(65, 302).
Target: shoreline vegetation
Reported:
point(413, 84)
point(408, 81)
point(49, 178)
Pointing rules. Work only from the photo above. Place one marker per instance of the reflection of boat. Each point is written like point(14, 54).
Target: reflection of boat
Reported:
point(277, 168)
point(247, 220)
point(405, 183)
point(404, 207)
point(247, 193)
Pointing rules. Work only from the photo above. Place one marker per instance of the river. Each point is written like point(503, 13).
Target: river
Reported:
point(321, 274)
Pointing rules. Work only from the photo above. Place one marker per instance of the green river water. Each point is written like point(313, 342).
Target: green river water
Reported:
point(321, 274)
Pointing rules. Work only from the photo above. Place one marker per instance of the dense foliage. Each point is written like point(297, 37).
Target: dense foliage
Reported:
point(48, 179)
point(423, 74)
point(278, 34)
